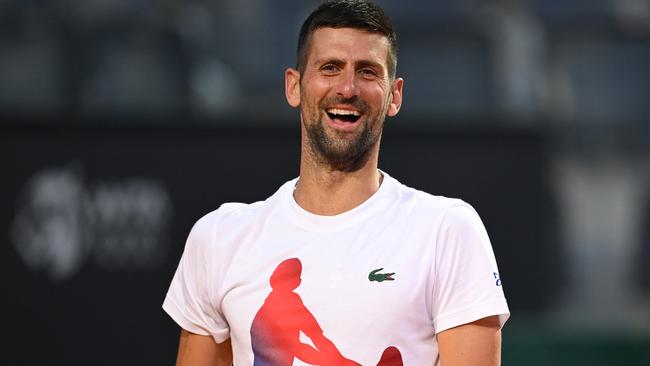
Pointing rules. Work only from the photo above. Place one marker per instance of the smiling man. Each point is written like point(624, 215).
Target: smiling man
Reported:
point(343, 265)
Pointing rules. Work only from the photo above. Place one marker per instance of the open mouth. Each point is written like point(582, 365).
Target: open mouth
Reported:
point(343, 115)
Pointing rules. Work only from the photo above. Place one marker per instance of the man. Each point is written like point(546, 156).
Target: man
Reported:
point(343, 265)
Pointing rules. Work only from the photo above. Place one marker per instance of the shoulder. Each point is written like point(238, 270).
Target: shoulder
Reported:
point(441, 216)
point(233, 218)
point(230, 212)
point(428, 204)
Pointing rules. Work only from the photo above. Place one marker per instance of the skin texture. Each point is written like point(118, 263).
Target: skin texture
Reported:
point(200, 350)
point(347, 69)
point(477, 343)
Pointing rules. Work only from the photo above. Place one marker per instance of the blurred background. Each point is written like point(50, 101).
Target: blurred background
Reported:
point(124, 121)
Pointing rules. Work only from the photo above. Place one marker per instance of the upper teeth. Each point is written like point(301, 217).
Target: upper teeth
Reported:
point(343, 112)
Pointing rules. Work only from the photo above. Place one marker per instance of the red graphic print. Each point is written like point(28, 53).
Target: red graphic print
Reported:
point(277, 325)
point(391, 357)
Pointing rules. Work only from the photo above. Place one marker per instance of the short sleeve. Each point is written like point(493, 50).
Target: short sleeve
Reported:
point(467, 286)
point(189, 301)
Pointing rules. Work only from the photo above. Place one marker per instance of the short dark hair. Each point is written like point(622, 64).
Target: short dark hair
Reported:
point(358, 14)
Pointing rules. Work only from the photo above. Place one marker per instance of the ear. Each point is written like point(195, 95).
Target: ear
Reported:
point(396, 97)
point(292, 87)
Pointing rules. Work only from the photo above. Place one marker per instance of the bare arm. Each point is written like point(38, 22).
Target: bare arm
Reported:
point(477, 343)
point(200, 350)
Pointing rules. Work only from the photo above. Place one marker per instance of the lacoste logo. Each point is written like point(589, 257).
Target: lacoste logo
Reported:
point(379, 277)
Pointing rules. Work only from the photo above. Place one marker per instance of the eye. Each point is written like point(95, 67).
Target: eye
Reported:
point(368, 72)
point(329, 68)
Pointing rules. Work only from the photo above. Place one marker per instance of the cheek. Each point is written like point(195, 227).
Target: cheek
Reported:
point(378, 100)
point(316, 85)
point(373, 91)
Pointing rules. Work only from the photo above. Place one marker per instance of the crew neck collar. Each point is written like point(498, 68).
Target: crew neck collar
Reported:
point(374, 204)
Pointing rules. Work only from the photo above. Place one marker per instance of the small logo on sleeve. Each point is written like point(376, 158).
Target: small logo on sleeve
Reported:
point(497, 279)
point(379, 277)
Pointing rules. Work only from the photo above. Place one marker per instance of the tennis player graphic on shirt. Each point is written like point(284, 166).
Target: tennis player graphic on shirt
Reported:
point(277, 325)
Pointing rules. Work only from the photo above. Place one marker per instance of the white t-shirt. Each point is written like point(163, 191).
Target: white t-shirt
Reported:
point(387, 275)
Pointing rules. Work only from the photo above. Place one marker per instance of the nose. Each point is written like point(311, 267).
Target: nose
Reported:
point(347, 86)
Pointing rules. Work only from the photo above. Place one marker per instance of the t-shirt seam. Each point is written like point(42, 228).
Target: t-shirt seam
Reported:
point(205, 244)
point(437, 256)
point(217, 280)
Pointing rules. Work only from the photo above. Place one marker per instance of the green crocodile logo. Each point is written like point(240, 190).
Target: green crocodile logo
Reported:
point(379, 277)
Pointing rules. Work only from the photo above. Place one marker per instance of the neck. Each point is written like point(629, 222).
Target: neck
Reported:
point(324, 191)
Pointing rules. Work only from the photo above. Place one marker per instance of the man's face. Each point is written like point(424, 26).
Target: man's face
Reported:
point(344, 94)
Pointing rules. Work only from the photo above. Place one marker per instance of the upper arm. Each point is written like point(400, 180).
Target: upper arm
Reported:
point(476, 343)
point(200, 350)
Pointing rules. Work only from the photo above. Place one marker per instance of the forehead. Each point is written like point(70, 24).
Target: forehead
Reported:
point(348, 44)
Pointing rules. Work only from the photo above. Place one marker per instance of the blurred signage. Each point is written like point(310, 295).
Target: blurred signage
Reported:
point(62, 221)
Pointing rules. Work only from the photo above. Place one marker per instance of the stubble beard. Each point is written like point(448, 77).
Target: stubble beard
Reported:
point(341, 151)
